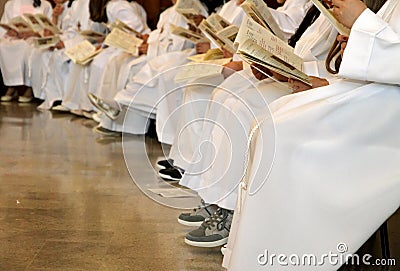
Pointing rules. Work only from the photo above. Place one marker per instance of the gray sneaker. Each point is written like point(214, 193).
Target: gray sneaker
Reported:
point(198, 215)
point(213, 232)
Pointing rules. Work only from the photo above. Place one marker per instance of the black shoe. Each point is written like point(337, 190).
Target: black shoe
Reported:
point(198, 215)
point(171, 174)
point(164, 164)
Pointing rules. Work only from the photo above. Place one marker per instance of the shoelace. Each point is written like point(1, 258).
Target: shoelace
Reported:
point(202, 205)
point(218, 217)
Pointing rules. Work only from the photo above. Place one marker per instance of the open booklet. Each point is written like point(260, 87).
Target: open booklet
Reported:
point(92, 36)
point(259, 12)
point(328, 13)
point(188, 34)
point(18, 24)
point(46, 42)
point(201, 69)
point(258, 45)
point(44, 21)
point(220, 32)
point(124, 27)
point(124, 41)
point(82, 53)
point(212, 54)
point(190, 7)
point(31, 23)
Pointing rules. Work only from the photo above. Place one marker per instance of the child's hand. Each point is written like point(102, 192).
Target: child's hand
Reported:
point(202, 47)
point(298, 86)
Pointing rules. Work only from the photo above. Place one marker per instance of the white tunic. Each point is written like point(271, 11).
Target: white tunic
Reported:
point(334, 177)
point(54, 83)
point(14, 54)
point(167, 119)
point(40, 60)
point(165, 50)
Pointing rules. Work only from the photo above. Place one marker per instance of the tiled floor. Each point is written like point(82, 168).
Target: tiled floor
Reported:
point(67, 202)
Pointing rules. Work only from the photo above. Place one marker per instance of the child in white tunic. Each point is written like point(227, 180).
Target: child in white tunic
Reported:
point(183, 147)
point(169, 52)
point(14, 51)
point(54, 82)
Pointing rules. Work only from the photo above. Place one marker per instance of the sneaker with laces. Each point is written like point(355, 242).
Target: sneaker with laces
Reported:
point(164, 164)
point(171, 174)
point(198, 215)
point(213, 232)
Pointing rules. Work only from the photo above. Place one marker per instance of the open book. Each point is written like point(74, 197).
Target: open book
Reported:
point(205, 68)
point(18, 24)
point(33, 22)
point(220, 32)
point(124, 41)
point(255, 54)
point(259, 12)
point(82, 53)
point(124, 27)
point(92, 36)
point(328, 13)
point(188, 34)
point(46, 42)
point(211, 54)
point(189, 7)
point(46, 23)
point(258, 45)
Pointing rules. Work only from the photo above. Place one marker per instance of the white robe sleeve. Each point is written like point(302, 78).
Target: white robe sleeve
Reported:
point(290, 15)
point(46, 9)
point(373, 51)
point(123, 11)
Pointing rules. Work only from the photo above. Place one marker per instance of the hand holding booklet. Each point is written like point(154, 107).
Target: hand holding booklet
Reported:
point(255, 54)
point(18, 24)
point(222, 38)
point(82, 53)
point(46, 42)
point(258, 45)
point(124, 41)
point(188, 34)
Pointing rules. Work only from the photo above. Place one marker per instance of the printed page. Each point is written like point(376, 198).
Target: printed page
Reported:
point(188, 34)
point(191, 7)
point(250, 30)
point(123, 26)
point(124, 41)
point(195, 70)
point(33, 22)
point(254, 53)
point(81, 53)
point(259, 12)
point(46, 42)
point(20, 25)
point(173, 192)
point(45, 22)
